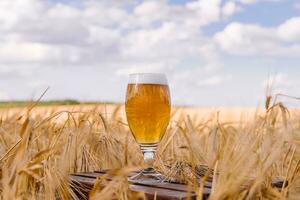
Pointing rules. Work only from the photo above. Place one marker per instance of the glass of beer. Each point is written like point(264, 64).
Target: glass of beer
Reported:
point(148, 107)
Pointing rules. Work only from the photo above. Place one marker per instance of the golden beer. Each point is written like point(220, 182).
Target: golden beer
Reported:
point(148, 109)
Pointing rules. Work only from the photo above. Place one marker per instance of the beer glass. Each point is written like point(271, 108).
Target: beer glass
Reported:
point(148, 107)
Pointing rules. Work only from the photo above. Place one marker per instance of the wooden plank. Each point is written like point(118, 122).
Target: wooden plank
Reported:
point(168, 185)
point(87, 182)
point(276, 183)
point(84, 181)
point(161, 193)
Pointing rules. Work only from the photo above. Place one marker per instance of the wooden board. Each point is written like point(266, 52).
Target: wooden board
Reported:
point(83, 182)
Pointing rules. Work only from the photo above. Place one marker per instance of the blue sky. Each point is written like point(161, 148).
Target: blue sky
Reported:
point(214, 52)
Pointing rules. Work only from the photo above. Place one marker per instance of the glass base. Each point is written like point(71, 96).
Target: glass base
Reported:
point(148, 175)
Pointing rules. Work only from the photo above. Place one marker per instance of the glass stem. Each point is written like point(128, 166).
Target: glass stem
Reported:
point(148, 153)
point(149, 157)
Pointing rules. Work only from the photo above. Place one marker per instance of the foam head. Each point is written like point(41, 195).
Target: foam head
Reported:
point(148, 78)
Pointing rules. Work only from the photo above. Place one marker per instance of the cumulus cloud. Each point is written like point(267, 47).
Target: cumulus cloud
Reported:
point(205, 12)
point(56, 34)
point(238, 38)
point(290, 30)
point(254, 39)
point(230, 8)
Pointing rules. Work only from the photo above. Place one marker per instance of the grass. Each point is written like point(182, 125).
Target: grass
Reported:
point(19, 104)
point(39, 149)
point(10, 104)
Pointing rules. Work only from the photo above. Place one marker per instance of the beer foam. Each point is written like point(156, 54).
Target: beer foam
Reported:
point(148, 78)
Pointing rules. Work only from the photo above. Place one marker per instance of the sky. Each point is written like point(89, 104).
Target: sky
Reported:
point(214, 52)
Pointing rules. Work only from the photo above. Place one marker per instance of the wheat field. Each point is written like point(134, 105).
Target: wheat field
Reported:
point(40, 146)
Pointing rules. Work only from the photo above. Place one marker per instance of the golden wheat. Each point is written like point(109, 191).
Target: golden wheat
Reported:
point(39, 147)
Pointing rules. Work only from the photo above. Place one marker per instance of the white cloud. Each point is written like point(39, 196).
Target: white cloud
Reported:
point(11, 12)
point(253, 39)
point(230, 8)
point(205, 12)
point(244, 39)
point(58, 34)
point(23, 52)
point(151, 11)
point(290, 29)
